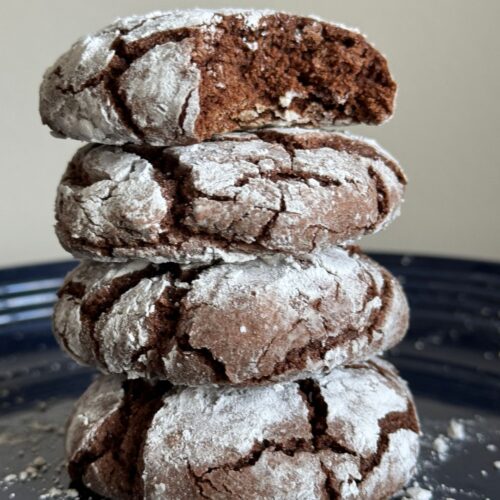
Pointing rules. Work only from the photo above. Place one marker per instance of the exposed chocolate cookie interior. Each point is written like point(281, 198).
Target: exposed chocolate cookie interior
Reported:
point(179, 77)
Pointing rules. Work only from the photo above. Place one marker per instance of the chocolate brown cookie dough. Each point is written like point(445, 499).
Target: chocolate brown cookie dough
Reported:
point(179, 77)
point(350, 434)
point(238, 196)
point(248, 323)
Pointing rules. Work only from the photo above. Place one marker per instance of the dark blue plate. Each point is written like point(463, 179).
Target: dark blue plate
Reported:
point(450, 358)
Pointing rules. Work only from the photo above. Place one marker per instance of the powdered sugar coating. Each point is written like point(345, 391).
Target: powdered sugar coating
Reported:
point(232, 421)
point(167, 76)
point(358, 430)
point(233, 198)
point(99, 402)
point(124, 333)
point(263, 442)
point(398, 464)
point(67, 315)
point(106, 90)
point(298, 316)
point(84, 116)
point(121, 188)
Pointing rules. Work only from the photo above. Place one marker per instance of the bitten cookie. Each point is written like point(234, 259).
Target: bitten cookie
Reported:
point(246, 323)
point(350, 434)
point(179, 77)
point(275, 190)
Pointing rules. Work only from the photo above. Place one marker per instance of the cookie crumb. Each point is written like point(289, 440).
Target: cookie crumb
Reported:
point(456, 430)
point(52, 493)
point(10, 478)
point(39, 462)
point(417, 493)
point(440, 444)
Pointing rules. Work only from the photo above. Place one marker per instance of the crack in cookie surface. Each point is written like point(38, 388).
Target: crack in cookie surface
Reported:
point(112, 466)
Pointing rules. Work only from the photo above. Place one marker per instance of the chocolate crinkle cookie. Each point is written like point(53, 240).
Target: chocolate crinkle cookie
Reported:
point(182, 76)
point(238, 196)
point(247, 323)
point(350, 434)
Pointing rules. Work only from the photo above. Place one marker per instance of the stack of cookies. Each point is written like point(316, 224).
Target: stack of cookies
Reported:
point(212, 209)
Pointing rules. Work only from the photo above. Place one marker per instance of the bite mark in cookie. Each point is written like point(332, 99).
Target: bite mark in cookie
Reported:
point(182, 76)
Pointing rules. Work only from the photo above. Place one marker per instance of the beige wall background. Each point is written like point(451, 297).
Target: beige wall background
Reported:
point(443, 53)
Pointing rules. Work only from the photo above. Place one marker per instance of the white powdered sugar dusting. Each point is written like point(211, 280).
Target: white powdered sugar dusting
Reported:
point(209, 427)
point(302, 131)
point(67, 323)
point(418, 493)
point(85, 116)
point(70, 106)
point(203, 255)
point(286, 99)
point(216, 167)
point(168, 81)
point(335, 165)
point(68, 330)
point(225, 422)
point(346, 470)
point(122, 203)
point(221, 285)
point(352, 417)
point(208, 430)
point(440, 445)
point(397, 465)
point(88, 56)
point(378, 148)
point(123, 330)
point(157, 22)
point(334, 281)
point(99, 402)
point(268, 477)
